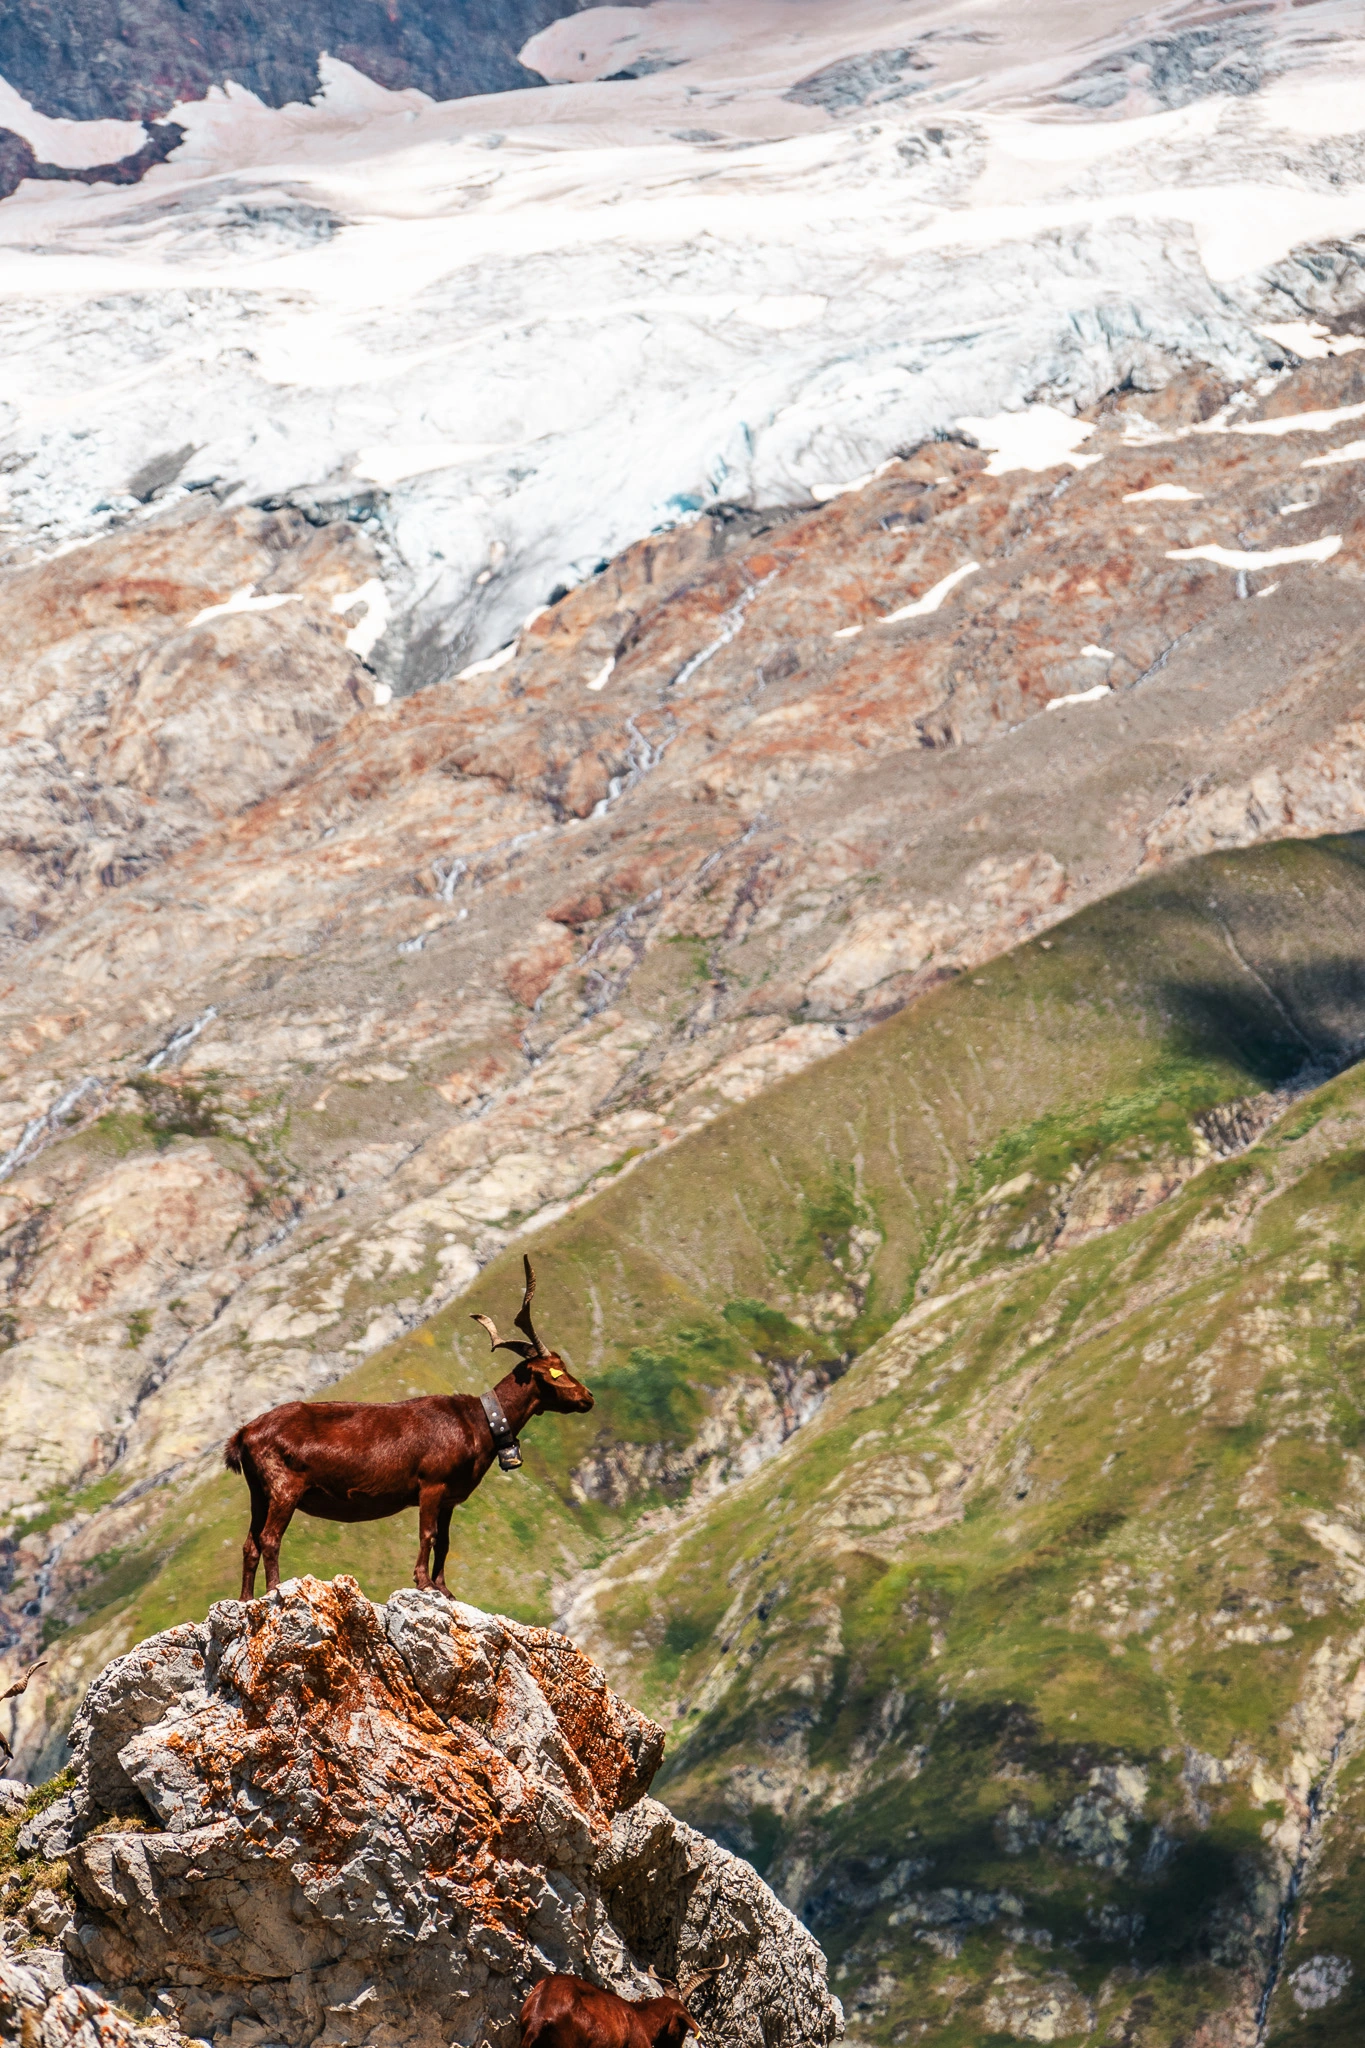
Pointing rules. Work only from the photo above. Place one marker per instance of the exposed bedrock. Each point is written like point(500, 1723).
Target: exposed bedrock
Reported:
point(312, 1816)
point(87, 62)
point(314, 999)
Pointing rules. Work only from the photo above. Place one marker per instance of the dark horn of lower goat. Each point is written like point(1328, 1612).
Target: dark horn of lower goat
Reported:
point(20, 1686)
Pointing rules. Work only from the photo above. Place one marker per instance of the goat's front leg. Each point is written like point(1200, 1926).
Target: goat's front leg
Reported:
point(429, 1504)
point(442, 1548)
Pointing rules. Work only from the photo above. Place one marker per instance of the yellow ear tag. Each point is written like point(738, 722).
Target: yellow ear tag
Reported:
point(555, 1373)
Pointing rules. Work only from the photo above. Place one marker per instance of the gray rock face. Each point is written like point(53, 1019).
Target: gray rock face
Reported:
point(138, 57)
point(843, 87)
point(39, 2008)
point(1173, 70)
point(310, 1813)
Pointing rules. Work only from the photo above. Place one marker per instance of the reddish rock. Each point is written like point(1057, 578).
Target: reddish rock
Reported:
point(311, 1805)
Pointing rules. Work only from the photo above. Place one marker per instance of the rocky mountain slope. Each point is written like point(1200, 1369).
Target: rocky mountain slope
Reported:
point(1027, 1670)
point(584, 668)
point(316, 1000)
point(309, 1814)
point(1007, 1132)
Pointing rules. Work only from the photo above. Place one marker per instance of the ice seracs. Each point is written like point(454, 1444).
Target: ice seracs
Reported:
point(558, 320)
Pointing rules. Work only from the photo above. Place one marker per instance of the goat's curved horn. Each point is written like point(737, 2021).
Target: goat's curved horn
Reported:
point(523, 1321)
point(490, 1326)
point(22, 1685)
point(700, 1977)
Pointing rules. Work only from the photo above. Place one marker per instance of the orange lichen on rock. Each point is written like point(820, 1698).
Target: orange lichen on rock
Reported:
point(415, 1810)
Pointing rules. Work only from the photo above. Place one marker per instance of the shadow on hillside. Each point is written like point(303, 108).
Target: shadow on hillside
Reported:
point(1177, 1903)
point(1273, 1022)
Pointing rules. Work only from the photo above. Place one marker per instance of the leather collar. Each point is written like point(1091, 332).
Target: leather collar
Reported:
point(509, 1450)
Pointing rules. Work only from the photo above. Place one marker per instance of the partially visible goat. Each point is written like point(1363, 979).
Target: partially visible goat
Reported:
point(357, 1461)
point(568, 2012)
point(14, 1693)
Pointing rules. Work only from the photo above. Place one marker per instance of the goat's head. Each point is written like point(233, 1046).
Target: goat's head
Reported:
point(556, 1388)
point(672, 2023)
point(676, 2020)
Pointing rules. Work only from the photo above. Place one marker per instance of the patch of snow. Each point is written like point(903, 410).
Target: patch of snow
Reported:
point(603, 676)
point(244, 600)
point(75, 145)
point(931, 599)
point(1354, 451)
point(1269, 590)
point(1081, 696)
point(1292, 423)
point(1271, 558)
point(1167, 494)
point(1310, 340)
point(1093, 653)
point(491, 663)
point(1040, 437)
point(822, 493)
point(382, 694)
point(369, 631)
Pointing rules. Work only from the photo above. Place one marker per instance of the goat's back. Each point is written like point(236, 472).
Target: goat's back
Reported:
point(302, 1430)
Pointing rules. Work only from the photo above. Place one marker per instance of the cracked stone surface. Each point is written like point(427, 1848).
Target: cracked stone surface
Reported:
point(387, 1822)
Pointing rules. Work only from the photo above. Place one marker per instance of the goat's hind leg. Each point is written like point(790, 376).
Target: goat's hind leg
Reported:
point(251, 1549)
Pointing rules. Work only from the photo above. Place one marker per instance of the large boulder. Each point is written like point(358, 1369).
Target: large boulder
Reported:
point(310, 1816)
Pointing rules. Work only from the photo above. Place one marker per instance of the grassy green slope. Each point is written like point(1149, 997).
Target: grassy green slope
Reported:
point(797, 1228)
point(991, 1568)
point(1098, 1516)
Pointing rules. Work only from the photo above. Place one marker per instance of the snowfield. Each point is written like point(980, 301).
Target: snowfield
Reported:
point(516, 333)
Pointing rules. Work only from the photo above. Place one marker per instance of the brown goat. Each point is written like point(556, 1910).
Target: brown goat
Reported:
point(568, 2012)
point(357, 1461)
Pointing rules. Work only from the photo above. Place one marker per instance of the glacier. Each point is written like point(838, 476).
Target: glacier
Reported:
point(728, 254)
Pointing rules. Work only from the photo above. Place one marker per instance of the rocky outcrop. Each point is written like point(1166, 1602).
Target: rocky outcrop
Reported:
point(68, 61)
point(40, 2009)
point(312, 1813)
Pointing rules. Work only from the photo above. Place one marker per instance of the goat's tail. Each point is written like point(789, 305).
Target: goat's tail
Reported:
point(232, 1452)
